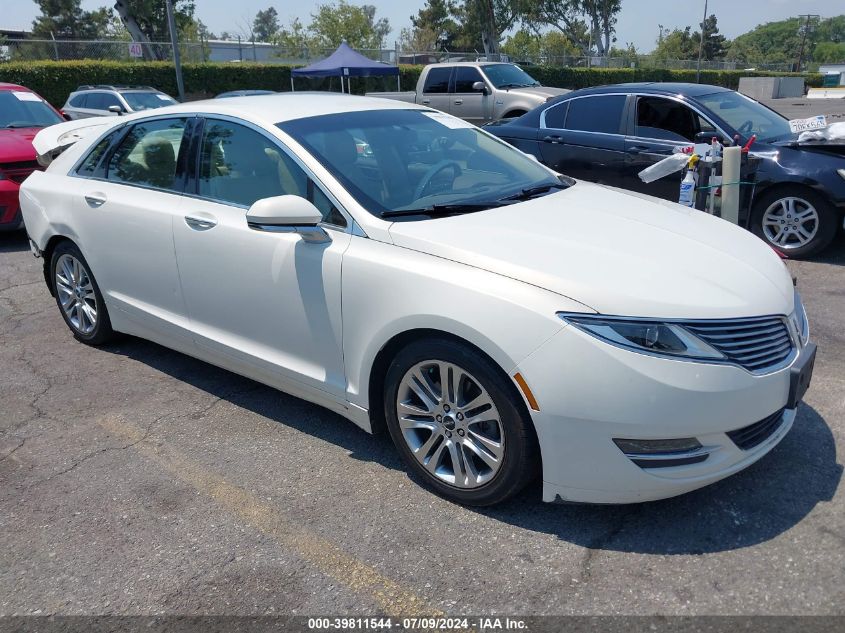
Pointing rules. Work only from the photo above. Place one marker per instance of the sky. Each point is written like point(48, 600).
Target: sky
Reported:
point(638, 20)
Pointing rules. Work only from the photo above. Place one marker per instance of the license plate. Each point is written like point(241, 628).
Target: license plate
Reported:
point(803, 125)
point(800, 376)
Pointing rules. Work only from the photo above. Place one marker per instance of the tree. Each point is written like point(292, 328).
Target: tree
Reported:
point(65, 19)
point(715, 44)
point(773, 42)
point(357, 25)
point(586, 23)
point(484, 22)
point(549, 47)
point(602, 18)
point(434, 26)
point(151, 16)
point(266, 25)
point(676, 44)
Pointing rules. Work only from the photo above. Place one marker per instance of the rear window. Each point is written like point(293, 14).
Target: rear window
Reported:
point(437, 80)
point(596, 114)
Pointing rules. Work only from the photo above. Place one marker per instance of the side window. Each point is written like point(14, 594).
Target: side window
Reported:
point(109, 100)
point(89, 166)
point(596, 114)
point(239, 166)
point(667, 119)
point(147, 155)
point(96, 101)
point(556, 115)
point(465, 76)
point(330, 213)
point(437, 81)
point(78, 101)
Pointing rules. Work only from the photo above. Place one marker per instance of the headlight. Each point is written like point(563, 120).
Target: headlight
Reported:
point(802, 325)
point(664, 339)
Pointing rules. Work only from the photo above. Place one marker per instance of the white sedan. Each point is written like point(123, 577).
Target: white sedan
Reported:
point(412, 272)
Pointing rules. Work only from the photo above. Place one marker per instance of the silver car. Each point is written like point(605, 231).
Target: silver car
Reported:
point(106, 100)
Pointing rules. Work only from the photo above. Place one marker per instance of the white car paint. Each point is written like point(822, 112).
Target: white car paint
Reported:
point(310, 319)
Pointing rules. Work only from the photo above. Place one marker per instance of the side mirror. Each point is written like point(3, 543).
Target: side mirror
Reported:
point(480, 86)
point(287, 214)
point(116, 109)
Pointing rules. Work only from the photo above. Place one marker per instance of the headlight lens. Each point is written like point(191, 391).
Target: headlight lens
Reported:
point(801, 322)
point(665, 339)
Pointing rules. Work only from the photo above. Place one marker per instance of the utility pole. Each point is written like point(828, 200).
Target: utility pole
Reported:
point(807, 29)
point(701, 46)
point(174, 41)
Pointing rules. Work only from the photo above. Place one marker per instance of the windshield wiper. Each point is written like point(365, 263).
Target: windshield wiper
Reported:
point(444, 209)
point(531, 192)
point(514, 85)
point(16, 125)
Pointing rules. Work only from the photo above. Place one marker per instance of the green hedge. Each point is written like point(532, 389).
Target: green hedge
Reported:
point(55, 80)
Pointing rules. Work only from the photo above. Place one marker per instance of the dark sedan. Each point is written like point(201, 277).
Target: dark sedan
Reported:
point(609, 134)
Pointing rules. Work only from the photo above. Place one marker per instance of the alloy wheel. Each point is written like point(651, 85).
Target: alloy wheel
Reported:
point(76, 294)
point(450, 423)
point(790, 223)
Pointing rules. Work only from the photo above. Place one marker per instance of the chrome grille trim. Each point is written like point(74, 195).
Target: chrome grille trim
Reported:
point(757, 344)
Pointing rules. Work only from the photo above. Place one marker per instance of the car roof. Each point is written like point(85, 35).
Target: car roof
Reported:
point(655, 87)
point(469, 63)
point(287, 106)
point(16, 87)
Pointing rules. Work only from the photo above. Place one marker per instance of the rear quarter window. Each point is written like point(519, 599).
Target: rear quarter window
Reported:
point(602, 114)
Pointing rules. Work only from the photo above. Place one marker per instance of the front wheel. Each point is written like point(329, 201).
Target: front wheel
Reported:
point(456, 423)
point(799, 223)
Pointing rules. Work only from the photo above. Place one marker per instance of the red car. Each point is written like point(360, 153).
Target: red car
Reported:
point(22, 114)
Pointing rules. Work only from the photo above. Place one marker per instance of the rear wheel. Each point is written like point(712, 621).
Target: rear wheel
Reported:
point(457, 425)
point(78, 296)
point(798, 222)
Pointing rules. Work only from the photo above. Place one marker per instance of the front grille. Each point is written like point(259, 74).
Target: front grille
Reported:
point(755, 344)
point(752, 435)
point(19, 171)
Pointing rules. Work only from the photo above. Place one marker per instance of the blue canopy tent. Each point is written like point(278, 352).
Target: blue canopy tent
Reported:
point(345, 62)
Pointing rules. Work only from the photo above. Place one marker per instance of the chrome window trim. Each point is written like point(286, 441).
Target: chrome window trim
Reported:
point(675, 98)
point(786, 362)
point(308, 172)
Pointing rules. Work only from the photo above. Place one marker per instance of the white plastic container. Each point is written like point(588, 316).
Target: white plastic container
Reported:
point(687, 196)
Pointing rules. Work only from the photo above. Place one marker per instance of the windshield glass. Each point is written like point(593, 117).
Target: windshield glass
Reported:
point(746, 116)
point(20, 109)
point(396, 160)
point(508, 76)
point(147, 100)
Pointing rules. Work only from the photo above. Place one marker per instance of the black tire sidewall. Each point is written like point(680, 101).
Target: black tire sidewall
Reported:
point(827, 220)
point(519, 462)
point(102, 330)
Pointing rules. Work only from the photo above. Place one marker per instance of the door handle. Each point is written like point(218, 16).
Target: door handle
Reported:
point(458, 101)
point(553, 138)
point(95, 200)
point(645, 149)
point(200, 224)
point(426, 101)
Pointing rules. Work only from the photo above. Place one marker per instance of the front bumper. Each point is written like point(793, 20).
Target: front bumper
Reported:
point(589, 393)
point(10, 212)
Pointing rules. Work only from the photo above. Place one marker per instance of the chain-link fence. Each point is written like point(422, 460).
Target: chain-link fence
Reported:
point(249, 51)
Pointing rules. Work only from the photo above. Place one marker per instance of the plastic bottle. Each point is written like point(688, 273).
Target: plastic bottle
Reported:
point(687, 196)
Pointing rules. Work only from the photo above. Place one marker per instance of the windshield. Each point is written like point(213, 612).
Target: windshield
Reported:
point(395, 161)
point(20, 109)
point(147, 100)
point(747, 116)
point(508, 76)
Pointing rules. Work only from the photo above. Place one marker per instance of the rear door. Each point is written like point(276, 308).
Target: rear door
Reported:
point(436, 88)
point(470, 105)
point(657, 126)
point(583, 138)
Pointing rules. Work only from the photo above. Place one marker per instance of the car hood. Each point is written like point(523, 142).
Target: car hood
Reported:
point(542, 92)
point(617, 252)
point(16, 144)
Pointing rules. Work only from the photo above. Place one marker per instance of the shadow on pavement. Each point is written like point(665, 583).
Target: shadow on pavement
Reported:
point(751, 507)
point(13, 241)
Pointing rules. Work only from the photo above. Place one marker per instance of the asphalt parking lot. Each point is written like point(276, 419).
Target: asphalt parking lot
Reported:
point(136, 480)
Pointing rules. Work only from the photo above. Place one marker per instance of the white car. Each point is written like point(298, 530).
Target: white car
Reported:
point(500, 320)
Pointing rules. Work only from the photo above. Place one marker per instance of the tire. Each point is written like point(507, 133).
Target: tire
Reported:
point(775, 210)
point(78, 296)
point(481, 424)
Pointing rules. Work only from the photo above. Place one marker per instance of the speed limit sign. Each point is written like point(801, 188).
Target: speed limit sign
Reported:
point(135, 50)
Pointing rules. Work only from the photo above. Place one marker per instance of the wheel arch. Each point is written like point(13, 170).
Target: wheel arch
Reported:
point(391, 348)
point(47, 256)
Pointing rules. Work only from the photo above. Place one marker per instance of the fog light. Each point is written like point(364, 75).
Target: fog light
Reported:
point(663, 453)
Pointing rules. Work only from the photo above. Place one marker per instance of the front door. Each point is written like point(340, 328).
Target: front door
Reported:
point(658, 127)
point(468, 104)
point(267, 302)
point(436, 88)
point(582, 138)
point(125, 206)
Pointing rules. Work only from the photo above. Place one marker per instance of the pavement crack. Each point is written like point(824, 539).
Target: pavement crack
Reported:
point(9, 454)
point(601, 542)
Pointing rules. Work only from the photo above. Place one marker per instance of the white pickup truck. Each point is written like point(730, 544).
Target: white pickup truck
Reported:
point(478, 92)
